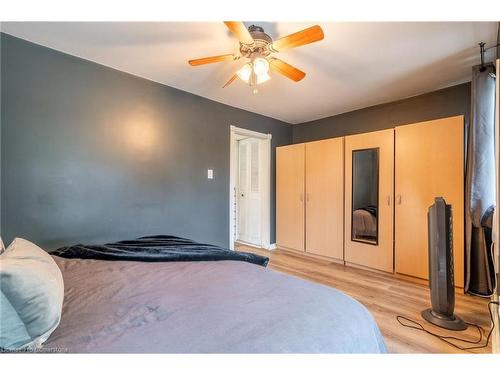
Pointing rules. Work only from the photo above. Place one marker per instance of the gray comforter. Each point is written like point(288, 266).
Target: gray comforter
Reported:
point(204, 307)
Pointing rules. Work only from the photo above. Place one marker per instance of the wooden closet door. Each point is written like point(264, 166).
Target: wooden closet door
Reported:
point(429, 164)
point(380, 255)
point(325, 198)
point(290, 207)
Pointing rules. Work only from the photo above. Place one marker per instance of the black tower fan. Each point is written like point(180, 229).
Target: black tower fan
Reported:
point(441, 280)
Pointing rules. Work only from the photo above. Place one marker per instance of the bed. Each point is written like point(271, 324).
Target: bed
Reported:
point(364, 223)
point(225, 306)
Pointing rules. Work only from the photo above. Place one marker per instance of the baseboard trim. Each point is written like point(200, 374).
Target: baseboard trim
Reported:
point(270, 247)
point(247, 244)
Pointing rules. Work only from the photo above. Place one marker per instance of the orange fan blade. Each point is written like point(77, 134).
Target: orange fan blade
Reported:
point(211, 59)
point(240, 31)
point(287, 70)
point(306, 36)
point(231, 80)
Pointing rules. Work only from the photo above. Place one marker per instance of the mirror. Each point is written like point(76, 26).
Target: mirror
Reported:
point(364, 218)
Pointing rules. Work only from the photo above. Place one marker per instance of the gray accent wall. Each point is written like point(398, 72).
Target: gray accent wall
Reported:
point(443, 103)
point(92, 154)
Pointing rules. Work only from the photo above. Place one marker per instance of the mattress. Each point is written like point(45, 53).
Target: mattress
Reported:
point(204, 307)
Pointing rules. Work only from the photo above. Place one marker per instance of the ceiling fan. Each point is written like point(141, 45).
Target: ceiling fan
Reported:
point(257, 46)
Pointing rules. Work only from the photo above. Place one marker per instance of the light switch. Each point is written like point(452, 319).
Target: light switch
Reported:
point(210, 174)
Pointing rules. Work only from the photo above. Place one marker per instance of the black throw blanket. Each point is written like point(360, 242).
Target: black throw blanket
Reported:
point(158, 249)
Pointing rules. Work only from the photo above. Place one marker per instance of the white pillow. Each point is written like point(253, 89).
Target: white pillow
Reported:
point(31, 296)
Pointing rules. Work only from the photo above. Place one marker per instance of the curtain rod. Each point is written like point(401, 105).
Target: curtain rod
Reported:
point(483, 50)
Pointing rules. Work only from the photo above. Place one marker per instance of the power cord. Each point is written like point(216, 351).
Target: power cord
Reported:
point(419, 327)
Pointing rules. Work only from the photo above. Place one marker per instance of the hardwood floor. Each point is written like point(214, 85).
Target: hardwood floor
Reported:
point(386, 297)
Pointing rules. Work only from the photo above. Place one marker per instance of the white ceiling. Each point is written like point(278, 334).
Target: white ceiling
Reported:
point(355, 66)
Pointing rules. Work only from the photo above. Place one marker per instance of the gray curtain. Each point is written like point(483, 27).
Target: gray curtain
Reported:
point(480, 184)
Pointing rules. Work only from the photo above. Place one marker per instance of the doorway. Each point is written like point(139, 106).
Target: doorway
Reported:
point(250, 188)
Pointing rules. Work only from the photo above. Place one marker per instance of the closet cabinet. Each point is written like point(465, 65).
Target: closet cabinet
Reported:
point(290, 191)
point(369, 182)
point(429, 163)
point(325, 198)
point(309, 197)
point(363, 199)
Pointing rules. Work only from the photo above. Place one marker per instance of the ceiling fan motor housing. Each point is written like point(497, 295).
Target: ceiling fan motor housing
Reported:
point(261, 43)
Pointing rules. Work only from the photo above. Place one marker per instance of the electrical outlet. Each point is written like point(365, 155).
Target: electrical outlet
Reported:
point(210, 174)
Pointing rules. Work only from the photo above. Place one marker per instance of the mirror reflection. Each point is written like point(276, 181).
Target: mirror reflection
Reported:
point(365, 195)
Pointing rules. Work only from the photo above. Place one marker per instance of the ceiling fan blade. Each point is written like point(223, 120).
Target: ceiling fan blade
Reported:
point(287, 70)
point(211, 59)
point(306, 36)
point(231, 80)
point(240, 31)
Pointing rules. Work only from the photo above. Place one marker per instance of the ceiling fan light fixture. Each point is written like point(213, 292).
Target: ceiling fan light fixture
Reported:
point(245, 72)
point(260, 66)
point(261, 78)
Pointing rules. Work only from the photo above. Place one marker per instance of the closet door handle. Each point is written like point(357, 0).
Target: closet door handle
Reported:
point(388, 200)
point(399, 199)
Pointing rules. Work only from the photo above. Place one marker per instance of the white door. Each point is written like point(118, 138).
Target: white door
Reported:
point(249, 194)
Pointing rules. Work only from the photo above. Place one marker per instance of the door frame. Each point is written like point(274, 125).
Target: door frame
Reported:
point(265, 182)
